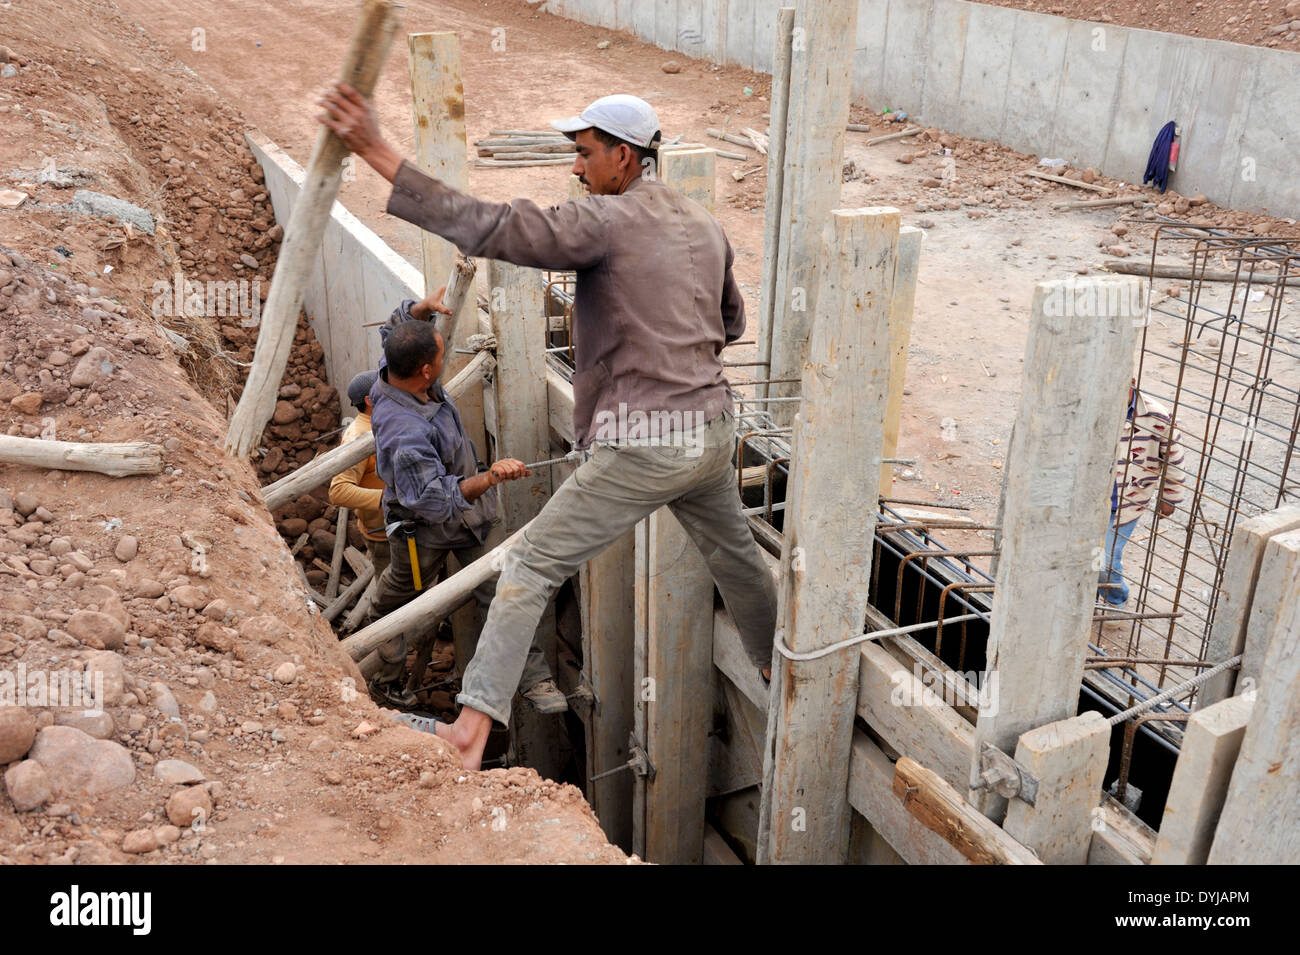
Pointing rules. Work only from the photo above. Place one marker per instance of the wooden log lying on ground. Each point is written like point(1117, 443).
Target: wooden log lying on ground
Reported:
point(942, 810)
point(1101, 203)
point(729, 137)
point(432, 606)
point(889, 138)
point(115, 460)
point(340, 603)
point(302, 237)
point(1077, 183)
point(1167, 270)
point(501, 163)
point(321, 469)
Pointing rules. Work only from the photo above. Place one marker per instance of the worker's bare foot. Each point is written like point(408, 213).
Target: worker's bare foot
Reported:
point(469, 734)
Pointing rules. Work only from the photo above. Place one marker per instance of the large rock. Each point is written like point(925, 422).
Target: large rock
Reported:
point(17, 731)
point(94, 365)
point(96, 723)
point(190, 596)
point(100, 631)
point(188, 806)
point(177, 772)
point(79, 765)
point(264, 629)
point(28, 785)
point(107, 677)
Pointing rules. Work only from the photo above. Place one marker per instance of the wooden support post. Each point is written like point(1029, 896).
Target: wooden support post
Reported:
point(820, 78)
point(438, 112)
point(1068, 758)
point(826, 553)
point(336, 561)
point(608, 635)
point(900, 335)
point(780, 101)
point(1200, 784)
point(115, 460)
point(692, 172)
point(1278, 571)
point(1236, 594)
point(518, 312)
point(1260, 822)
point(353, 589)
point(674, 703)
point(302, 238)
point(1059, 473)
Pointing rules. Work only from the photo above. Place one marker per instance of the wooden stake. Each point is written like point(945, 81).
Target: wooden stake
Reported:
point(1200, 784)
point(115, 460)
point(1078, 184)
point(302, 238)
point(900, 335)
point(827, 544)
point(1059, 473)
point(772, 214)
point(336, 562)
point(820, 79)
point(349, 594)
point(1068, 758)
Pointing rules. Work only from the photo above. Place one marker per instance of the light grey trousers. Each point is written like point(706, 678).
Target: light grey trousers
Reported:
point(604, 499)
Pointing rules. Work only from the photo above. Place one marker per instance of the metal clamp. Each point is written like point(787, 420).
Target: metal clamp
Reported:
point(1004, 776)
point(638, 762)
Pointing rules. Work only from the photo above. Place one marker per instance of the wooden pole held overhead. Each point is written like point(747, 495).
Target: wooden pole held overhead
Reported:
point(302, 238)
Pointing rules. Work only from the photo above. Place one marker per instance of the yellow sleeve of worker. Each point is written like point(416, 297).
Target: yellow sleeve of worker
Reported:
point(346, 490)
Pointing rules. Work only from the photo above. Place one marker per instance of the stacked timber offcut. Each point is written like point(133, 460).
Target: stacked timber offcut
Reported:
point(524, 147)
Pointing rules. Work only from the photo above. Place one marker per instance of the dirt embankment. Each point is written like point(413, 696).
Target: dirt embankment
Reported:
point(233, 729)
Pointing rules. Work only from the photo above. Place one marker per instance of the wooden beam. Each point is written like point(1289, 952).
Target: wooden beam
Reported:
point(674, 633)
point(1236, 594)
point(1279, 569)
point(780, 107)
point(1200, 784)
point(821, 70)
point(941, 809)
point(1068, 758)
point(559, 399)
point(302, 238)
point(336, 560)
point(827, 543)
point(607, 585)
point(116, 460)
point(1059, 473)
point(900, 335)
point(692, 172)
point(438, 114)
point(1260, 822)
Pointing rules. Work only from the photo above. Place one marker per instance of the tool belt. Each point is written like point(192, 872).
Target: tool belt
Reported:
point(400, 524)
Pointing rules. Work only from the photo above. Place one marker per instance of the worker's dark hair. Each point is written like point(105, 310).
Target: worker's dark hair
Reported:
point(409, 346)
point(609, 140)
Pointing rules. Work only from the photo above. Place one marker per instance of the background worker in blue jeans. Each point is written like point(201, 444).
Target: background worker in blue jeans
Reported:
point(1149, 459)
point(654, 305)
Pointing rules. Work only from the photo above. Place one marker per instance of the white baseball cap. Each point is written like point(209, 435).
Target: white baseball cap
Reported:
point(621, 115)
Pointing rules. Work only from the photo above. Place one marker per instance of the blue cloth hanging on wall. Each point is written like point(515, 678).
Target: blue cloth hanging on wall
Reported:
point(1158, 162)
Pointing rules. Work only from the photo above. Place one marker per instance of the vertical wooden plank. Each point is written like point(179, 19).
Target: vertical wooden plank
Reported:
point(1200, 783)
point(779, 113)
point(1068, 758)
point(1278, 569)
point(1236, 592)
point(1260, 822)
point(608, 634)
point(827, 544)
point(900, 334)
point(438, 112)
point(691, 171)
point(1059, 472)
point(675, 628)
point(821, 66)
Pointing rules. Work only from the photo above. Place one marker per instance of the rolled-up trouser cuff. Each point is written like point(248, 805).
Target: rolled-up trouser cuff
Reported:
point(500, 720)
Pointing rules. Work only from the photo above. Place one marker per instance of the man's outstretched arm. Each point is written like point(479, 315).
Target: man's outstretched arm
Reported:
point(568, 236)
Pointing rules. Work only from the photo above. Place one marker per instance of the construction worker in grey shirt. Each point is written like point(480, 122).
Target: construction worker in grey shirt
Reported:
point(655, 303)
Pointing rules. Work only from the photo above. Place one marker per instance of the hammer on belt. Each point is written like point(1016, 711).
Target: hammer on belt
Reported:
point(401, 526)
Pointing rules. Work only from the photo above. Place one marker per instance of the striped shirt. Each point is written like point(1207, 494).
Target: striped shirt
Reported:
point(1148, 452)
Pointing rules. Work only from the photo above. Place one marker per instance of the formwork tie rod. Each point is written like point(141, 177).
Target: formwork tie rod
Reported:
point(789, 654)
point(1169, 694)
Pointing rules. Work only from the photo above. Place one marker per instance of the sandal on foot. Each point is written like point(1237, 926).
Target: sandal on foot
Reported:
point(425, 724)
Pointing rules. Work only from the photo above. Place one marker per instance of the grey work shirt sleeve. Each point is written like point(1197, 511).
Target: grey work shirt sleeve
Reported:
point(571, 235)
point(733, 303)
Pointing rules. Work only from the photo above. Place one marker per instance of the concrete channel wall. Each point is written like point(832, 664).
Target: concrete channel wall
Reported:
point(357, 278)
point(1091, 93)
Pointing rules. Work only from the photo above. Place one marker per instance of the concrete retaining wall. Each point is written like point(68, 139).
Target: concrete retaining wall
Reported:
point(1091, 93)
point(357, 278)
